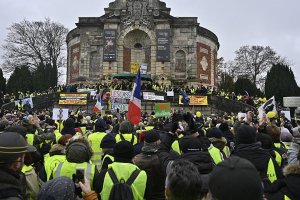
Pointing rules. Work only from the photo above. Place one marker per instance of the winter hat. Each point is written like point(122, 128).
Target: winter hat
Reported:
point(108, 142)
point(224, 127)
point(123, 151)
point(189, 144)
point(245, 134)
point(100, 126)
point(78, 152)
point(126, 127)
point(69, 123)
point(285, 135)
point(271, 115)
point(60, 188)
point(151, 136)
point(215, 134)
point(245, 182)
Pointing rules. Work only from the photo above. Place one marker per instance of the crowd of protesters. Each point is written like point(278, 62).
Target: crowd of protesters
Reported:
point(186, 156)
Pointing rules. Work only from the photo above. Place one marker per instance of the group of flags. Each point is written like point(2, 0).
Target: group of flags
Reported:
point(135, 104)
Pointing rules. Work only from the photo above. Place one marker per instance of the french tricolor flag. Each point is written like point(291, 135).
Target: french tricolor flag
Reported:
point(98, 106)
point(134, 108)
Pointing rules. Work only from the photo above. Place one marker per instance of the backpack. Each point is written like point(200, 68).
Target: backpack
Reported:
point(122, 190)
point(123, 139)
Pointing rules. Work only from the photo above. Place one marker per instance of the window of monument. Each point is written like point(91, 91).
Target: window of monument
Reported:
point(138, 46)
point(180, 61)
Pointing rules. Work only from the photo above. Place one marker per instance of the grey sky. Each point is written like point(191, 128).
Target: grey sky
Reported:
point(236, 22)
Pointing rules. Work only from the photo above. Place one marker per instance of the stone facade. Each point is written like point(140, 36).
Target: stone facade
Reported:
point(135, 32)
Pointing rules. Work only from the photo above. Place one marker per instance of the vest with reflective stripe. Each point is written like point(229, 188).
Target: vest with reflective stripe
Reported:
point(107, 156)
point(175, 145)
point(95, 140)
point(30, 138)
point(216, 154)
point(123, 171)
point(271, 171)
point(68, 169)
point(127, 137)
point(51, 163)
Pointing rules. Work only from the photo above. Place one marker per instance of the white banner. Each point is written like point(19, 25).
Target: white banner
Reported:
point(270, 105)
point(24, 101)
point(170, 93)
point(121, 107)
point(287, 114)
point(159, 98)
point(120, 96)
point(143, 68)
point(60, 114)
point(149, 96)
point(291, 101)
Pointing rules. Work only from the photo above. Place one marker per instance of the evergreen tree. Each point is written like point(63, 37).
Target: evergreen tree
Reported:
point(281, 82)
point(2, 82)
point(20, 80)
point(243, 85)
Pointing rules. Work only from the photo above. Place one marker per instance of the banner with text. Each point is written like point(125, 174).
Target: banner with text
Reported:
point(120, 100)
point(73, 99)
point(109, 50)
point(162, 109)
point(196, 100)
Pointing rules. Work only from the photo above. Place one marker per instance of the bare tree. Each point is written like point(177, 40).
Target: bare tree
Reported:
point(33, 43)
point(255, 61)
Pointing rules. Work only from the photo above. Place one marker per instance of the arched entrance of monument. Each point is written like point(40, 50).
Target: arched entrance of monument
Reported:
point(136, 50)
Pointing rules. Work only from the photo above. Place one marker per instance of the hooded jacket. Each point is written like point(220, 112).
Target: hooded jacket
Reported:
point(259, 157)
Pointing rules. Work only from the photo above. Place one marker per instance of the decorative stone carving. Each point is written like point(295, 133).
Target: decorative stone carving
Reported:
point(138, 14)
point(204, 63)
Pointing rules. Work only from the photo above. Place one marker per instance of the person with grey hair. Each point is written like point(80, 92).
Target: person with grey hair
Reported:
point(183, 181)
point(126, 132)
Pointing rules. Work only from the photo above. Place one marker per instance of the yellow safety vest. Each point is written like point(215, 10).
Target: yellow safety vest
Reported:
point(127, 137)
point(107, 156)
point(278, 158)
point(215, 154)
point(95, 140)
point(68, 169)
point(226, 151)
point(286, 197)
point(26, 168)
point(271, 171)
point(148, 128)
point(57, 135)
point(83, 130)
point(51, 162)
point(175, 145)
point(279, 145)
point(30, 138)
point(124, 171)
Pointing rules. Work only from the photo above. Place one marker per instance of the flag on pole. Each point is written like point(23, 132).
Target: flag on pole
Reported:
point(134, 108)
point(270, 105)
point(98, 106)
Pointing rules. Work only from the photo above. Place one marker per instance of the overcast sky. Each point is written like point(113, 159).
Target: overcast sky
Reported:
point(236, 22)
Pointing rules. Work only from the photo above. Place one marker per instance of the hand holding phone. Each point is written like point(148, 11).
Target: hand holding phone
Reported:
point(79, 176)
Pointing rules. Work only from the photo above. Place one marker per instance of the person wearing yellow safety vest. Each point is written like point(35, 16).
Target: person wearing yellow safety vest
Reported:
point(289, 186)
point(218, 149)
point(107, 144)
point(78, 155)
point(122, 168)
point(126, 132)
point(279, 147)
point(95, 140)
point(247, 147)
point(51, 160)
